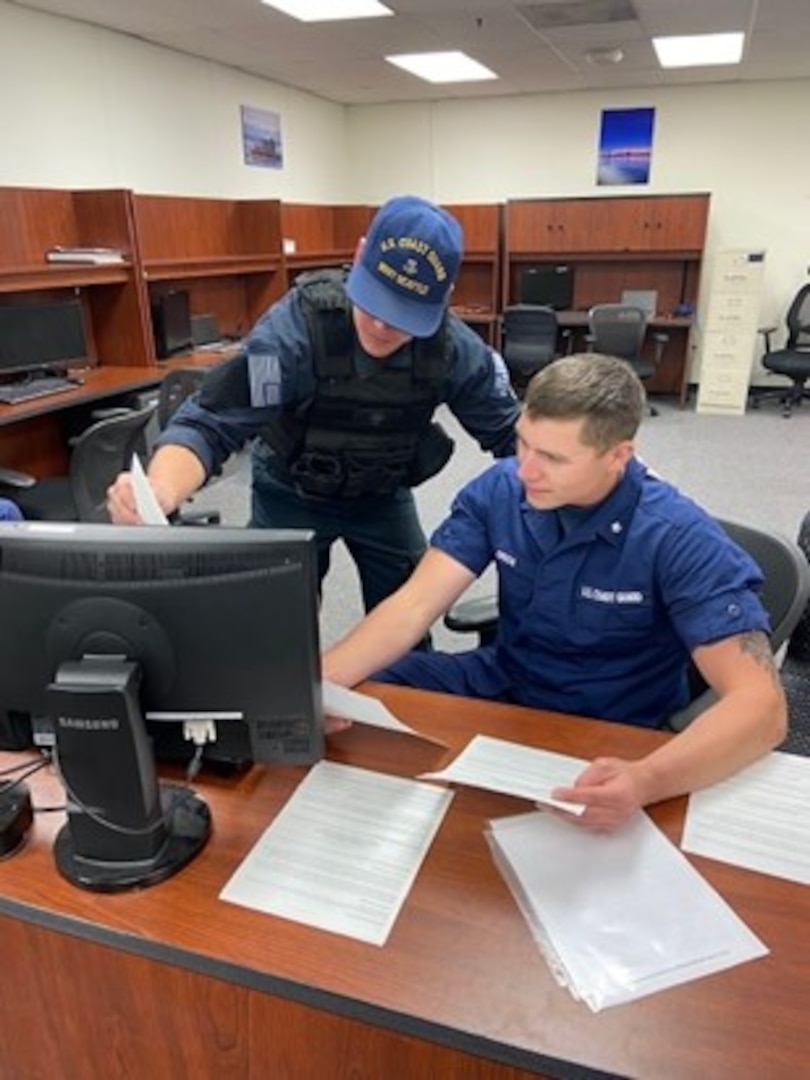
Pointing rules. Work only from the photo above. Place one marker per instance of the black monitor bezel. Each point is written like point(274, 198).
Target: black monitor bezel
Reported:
point(55, 355)
point(284, 567)
point(547, 284)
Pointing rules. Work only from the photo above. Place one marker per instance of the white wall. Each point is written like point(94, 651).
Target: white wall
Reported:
point(84, 107)
point(740, 142)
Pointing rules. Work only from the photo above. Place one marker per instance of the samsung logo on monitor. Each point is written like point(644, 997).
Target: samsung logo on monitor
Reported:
point(89, 723)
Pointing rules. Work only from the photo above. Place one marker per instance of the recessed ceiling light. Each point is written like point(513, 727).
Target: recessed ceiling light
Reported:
point(329, 10)
point(699, 50)
point(442, 67)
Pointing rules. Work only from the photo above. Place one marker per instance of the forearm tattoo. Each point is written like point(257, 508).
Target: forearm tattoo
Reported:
point(756, 644)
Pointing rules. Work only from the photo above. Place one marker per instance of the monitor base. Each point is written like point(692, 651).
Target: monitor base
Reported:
point(188, 825)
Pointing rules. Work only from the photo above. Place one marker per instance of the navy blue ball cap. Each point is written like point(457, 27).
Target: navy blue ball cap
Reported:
point(407, 266)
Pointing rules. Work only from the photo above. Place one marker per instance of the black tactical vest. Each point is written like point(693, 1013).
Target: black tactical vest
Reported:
point(366, 436)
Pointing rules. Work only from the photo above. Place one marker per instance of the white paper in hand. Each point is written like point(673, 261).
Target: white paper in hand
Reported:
point(148, 507)
point(350, 705)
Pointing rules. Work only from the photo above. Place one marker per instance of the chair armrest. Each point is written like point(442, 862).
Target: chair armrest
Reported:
point(660, 341)
point(110, 410)
point(766, 332)
point(684, 717)
point(193, 518)
point(14, 479)
point(473, 615)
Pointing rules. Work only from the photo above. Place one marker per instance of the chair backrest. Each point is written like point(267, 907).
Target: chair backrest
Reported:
point(617, 330)
point(798, 320)
point(786, 585)
point(799, 646)
point(529, 337)
point(177, 385)
point(785, 593)
point(100, 453)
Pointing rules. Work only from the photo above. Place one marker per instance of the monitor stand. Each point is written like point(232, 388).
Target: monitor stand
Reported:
point(125, 829)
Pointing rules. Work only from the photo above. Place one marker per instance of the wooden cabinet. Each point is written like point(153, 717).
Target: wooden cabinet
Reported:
point(665, 223)
point(225, 252)
point(477, 289)
point(550, 226)
point(559, 227)
point(646, 242)
point(32, 220)
point(321, 236)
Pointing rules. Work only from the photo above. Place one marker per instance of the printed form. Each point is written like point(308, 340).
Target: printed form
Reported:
point(513, 769)
point(343, 853)
point(759, 819)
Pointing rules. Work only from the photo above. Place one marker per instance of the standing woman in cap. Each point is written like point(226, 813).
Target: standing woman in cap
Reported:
point(338, 383)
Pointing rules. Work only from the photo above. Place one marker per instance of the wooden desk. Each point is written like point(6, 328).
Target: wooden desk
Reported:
point(672, 374)
point(480, 319)
point(31, 437)
point(171, 982)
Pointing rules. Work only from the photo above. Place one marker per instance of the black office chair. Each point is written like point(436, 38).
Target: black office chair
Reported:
point(795, 671)
point(621, 330)
point(98, 454)
point(785, 594)
point(177, 385)
point(793, 361)
point(529, 333)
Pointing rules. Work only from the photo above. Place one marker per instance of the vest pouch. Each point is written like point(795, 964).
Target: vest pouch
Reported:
point(434, 448)
point(380, 473)
point(319, 475)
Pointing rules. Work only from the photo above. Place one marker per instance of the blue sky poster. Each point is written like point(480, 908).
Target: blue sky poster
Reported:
point(625, 146)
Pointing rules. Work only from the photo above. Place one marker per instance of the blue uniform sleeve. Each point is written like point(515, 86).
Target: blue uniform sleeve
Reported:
point(239, 396)
point(465, 535)
point(709, 585)
point(480, 393)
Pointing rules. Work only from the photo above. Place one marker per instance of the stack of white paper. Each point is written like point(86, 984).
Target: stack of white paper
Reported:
point(616, 916)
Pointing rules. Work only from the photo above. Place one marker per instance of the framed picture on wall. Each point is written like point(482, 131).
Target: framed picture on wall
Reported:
point(625, 146)
point(261, 138)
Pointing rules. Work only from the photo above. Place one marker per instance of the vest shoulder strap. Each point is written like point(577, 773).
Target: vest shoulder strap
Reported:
point(328, 314)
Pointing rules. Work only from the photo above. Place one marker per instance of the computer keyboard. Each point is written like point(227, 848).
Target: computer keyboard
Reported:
point(15, 393)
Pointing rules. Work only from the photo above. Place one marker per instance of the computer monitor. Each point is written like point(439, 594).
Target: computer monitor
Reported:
point(550, 285)
point(646, 299)
point(171, 319)
point(41, 336)
point(109, 633)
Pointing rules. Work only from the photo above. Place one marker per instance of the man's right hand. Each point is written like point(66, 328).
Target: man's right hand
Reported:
point(121, 501)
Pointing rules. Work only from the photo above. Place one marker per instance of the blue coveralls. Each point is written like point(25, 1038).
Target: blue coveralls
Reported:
point(275, 371)
point(599, 609)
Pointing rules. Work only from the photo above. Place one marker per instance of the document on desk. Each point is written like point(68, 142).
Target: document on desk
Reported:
point(350, 705)
point(149, 509)
point(343, 853)
point(759, 818)
point(617, 916)
point(513, 769)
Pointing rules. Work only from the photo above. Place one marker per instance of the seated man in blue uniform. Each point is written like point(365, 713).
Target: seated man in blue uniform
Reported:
point(610, 580)
point(338, 383)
